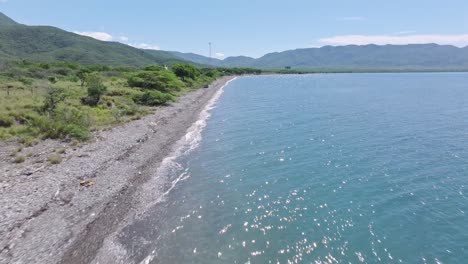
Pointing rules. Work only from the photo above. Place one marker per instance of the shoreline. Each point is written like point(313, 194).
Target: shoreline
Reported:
point(47, 217)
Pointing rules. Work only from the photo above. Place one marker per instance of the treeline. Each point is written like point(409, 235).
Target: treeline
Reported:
point(67, 100)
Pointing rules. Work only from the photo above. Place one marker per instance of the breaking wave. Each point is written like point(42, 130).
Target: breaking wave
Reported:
point(190, 141)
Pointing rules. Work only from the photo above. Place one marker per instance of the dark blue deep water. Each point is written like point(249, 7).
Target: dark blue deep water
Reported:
point(326, 168)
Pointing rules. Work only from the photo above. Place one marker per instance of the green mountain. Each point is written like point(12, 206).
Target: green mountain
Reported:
point(6, 21)
point(199, 59)
point(388, 57)
point(422, 56)
point(239, 61)
point(46, 44)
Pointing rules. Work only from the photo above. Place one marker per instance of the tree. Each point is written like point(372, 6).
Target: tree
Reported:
point(54, 96)
point(184, 71)
point(154, 98)
point(82, 74)
point(96, 89)
point(164, 81)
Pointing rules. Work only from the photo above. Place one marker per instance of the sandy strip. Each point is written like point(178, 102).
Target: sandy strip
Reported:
point(47, 217)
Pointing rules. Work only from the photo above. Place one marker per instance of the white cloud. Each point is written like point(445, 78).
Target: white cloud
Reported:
point(145, 46)
point(97, 35)
point(108, 37)
point(219, 55)
point(353, 18)
point(456, 40)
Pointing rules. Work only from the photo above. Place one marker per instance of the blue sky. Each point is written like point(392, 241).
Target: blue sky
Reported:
point(251, 27)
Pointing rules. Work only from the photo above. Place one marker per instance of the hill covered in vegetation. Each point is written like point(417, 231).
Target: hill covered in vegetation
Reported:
point(353, 57)
point(50, 44)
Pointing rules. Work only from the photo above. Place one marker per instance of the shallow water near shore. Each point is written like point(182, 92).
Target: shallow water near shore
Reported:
point(325, 168)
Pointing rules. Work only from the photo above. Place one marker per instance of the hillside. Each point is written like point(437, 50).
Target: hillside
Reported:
point(424, 56)
point(238, 61)
point(47, 44)
point(394, 57)
point(196, 58)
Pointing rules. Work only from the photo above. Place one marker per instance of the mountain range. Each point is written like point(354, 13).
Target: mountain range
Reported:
point(396, 57)
point(46, 44)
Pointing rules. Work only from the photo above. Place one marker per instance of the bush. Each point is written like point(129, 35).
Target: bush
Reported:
point(186, 71)
point(19, 159)
point(25, 81)
point(211, 73)
point(164, 81)
point(54, 96)
point(62, 71)
point(154, 98)
point(66, 123)
point(119, 92)
point(6, 121)
point(73, 79)
point(52, 79)
point(153, 68)
point(54, 158)
point(96, 89)
point(60, 150)
point(82, 74)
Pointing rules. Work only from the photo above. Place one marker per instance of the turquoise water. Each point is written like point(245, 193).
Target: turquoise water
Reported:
point(335, 168)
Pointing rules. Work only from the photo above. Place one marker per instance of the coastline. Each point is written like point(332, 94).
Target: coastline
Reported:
point(46, 216)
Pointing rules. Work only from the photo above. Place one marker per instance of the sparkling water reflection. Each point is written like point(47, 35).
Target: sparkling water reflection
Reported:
point(342, 168)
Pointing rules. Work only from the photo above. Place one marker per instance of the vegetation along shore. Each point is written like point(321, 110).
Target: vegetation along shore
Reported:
point(64, 160)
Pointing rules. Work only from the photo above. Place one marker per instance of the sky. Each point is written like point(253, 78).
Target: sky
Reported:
point(250, 27)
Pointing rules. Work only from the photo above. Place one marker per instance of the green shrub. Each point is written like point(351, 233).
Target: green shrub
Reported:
point(128, 110)
point(19, 159)
point(77, 132)
point(211, 73)
point(54, 158)
point(82, 74)
point(25, 80)
point(54, 96)
point(27, 140)
point(52, 79)
point(186, 71)
point(96, 89)
point(153, 68)
point(60, 150)
point(73, 78)
point(163, 80)
point(44, 66)
point(66, 123)
point(119, 92)
point(6, 121)
point(154, 98)
point(62, 71)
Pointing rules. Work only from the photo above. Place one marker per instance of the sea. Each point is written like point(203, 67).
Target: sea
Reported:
point(322, 168)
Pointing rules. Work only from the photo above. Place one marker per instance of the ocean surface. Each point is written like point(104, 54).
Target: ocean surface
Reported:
point(324, 168)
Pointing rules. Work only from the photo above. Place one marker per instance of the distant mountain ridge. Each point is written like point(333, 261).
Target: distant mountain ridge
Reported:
point(238, 61)
point(46, 44)
point(396, 57)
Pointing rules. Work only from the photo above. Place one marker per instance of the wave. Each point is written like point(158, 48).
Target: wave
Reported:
point(190, 141)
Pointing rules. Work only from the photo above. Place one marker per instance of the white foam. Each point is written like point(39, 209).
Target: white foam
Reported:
point(190, 141)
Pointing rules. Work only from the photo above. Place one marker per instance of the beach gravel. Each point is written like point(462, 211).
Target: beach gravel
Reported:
point(63, 213)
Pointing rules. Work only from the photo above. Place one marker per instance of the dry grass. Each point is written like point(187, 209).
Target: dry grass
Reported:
point(54, 158)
